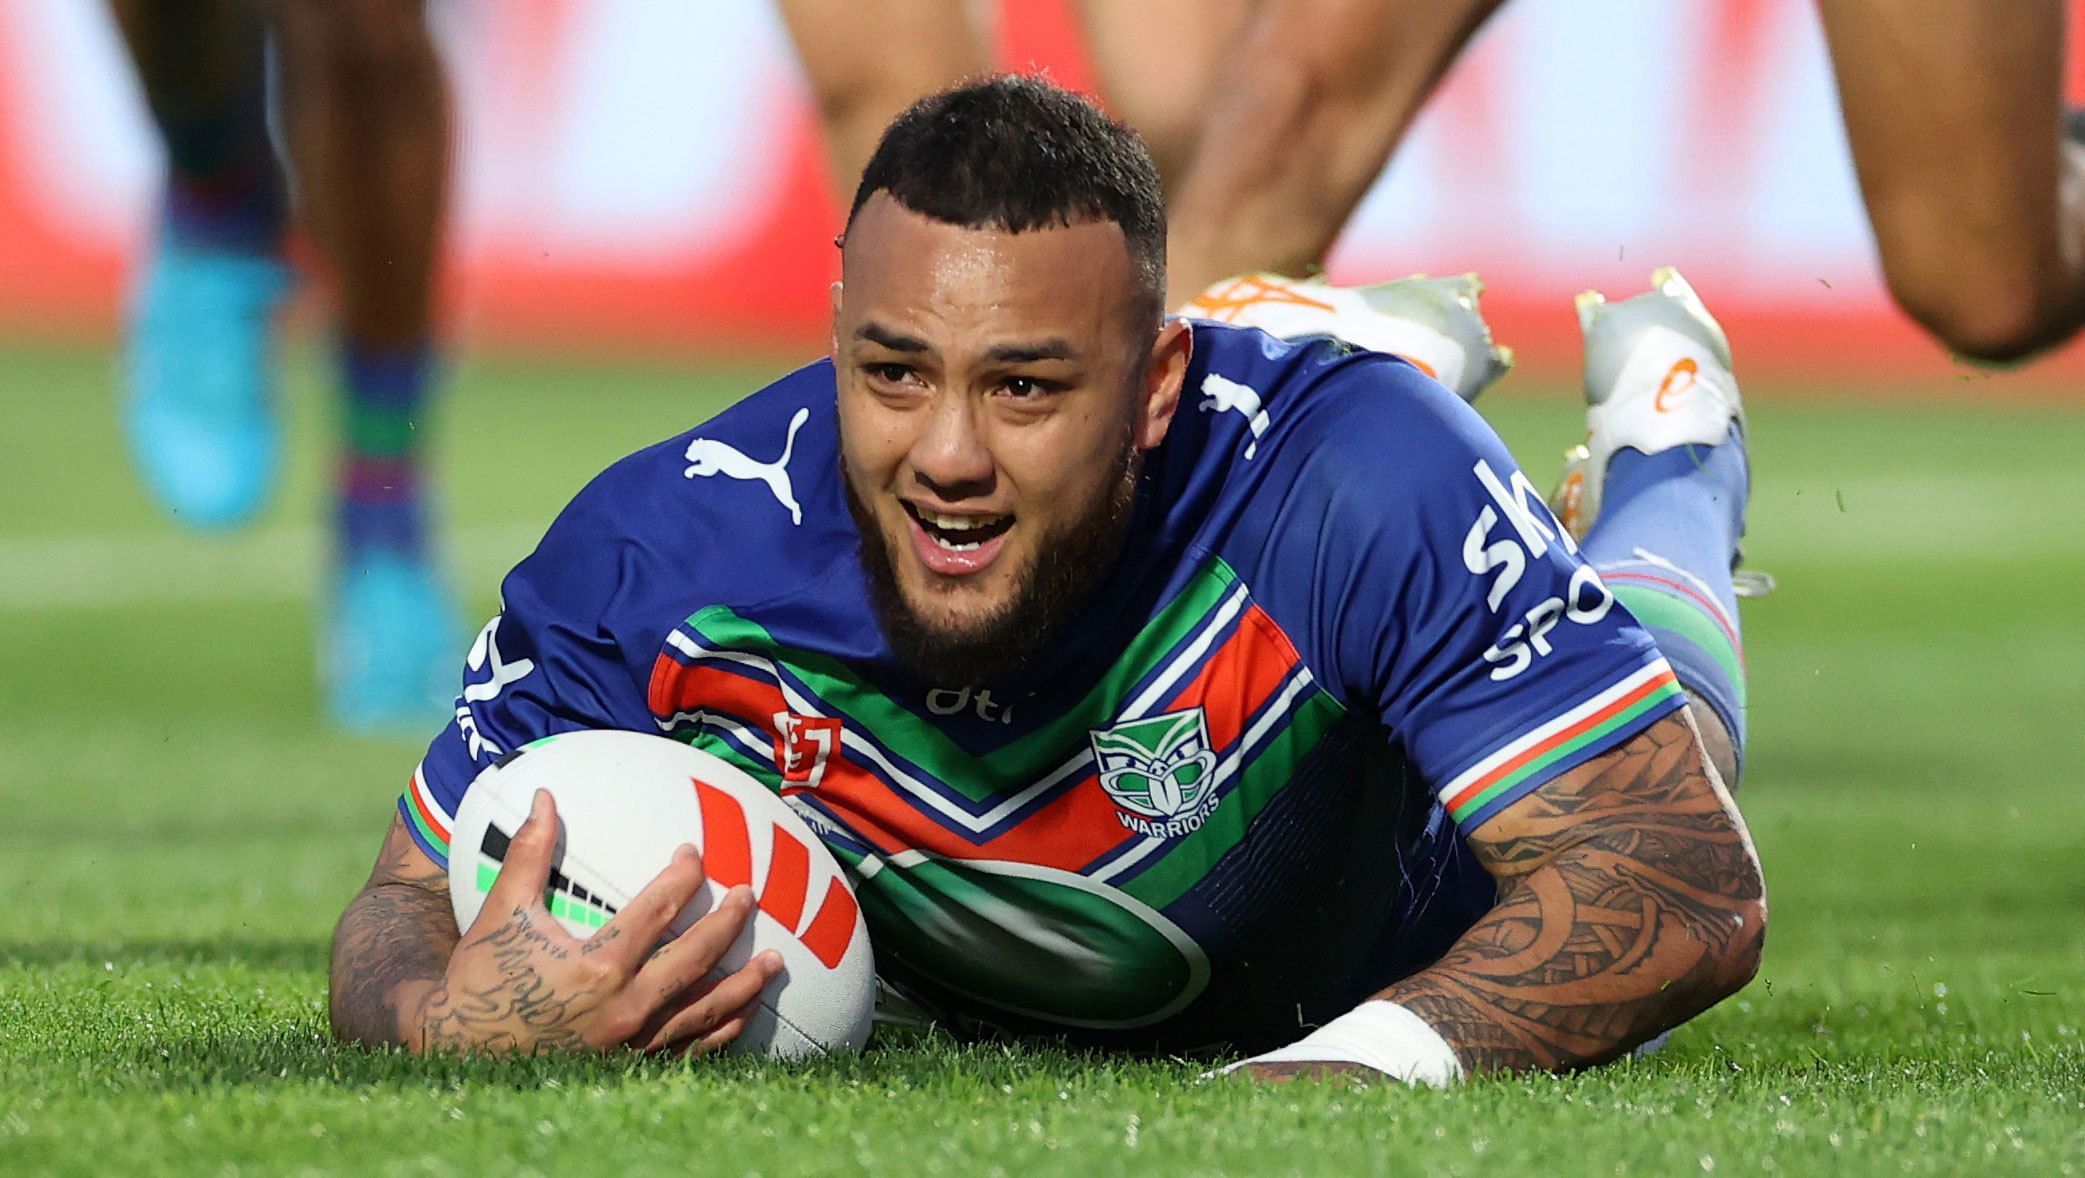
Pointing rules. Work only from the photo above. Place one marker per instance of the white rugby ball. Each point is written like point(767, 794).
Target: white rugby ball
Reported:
point(626, 800)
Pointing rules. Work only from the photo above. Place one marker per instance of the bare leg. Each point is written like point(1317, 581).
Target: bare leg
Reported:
point(368, 121)
point(203, 71)
point(1954, 110)
point(189, 56)
point(1322, 92)
point(366, 108)
point(867, 60)
point(1192, 40)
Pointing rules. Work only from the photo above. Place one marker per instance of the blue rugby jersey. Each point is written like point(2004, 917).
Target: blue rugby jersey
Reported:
point(1226, 801)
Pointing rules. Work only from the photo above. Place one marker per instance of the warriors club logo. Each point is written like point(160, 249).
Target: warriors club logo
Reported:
point(1160, 771)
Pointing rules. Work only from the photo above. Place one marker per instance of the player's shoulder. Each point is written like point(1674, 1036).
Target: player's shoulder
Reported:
point(758, 478)
point(1326, 411)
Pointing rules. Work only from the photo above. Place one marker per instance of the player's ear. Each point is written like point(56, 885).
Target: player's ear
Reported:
point(1165, 372)
point(835, 292)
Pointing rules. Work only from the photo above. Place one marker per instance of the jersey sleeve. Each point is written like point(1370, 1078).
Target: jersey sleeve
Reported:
point(1448, 601)
point(552, 660)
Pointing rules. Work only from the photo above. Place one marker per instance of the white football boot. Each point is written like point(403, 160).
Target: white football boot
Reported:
point(1657, 375)
point(1433, 322)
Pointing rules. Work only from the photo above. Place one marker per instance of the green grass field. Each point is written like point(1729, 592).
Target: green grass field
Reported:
point(177, 833)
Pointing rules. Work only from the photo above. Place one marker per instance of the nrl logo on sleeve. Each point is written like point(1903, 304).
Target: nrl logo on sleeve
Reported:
point(804, 745)
point(1161, 771)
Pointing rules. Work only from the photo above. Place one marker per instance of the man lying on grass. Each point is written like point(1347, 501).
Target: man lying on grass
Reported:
point(1186, 689)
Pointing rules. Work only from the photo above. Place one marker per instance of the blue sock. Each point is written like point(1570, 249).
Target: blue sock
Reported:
point(1664, 541)
point(243, 211)
point(382, 504)
point(225, 189)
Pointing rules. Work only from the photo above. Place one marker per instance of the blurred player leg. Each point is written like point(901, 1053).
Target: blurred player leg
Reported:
point(866, 60)
point(200, 365)
point(366, 111)
point(1158, 62)
point(1315, 96)
point(1954, 112)
point(1660, 492)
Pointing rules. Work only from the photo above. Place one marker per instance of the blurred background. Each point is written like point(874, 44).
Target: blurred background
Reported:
point(645, 177)
point(642, 233)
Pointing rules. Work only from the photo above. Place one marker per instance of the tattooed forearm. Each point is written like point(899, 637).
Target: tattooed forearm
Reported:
point(399, 930)
point(1630, 901)
point(520, 1009)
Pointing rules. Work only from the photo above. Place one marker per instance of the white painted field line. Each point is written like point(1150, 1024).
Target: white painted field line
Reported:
point(277, 564)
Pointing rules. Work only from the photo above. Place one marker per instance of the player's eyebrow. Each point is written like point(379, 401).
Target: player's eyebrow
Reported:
point(883, 336)
point(1049, 349)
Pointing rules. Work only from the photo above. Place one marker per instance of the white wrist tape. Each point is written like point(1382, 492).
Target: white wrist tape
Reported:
point(1376, 1034)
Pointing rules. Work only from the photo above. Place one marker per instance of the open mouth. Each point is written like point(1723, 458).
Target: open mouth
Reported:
point(959, 533)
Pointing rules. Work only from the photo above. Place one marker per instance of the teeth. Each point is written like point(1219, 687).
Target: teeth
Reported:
point(958, 523)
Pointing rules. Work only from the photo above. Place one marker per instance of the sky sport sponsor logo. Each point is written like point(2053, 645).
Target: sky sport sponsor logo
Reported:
point(1160, 771)
point(1503, 560)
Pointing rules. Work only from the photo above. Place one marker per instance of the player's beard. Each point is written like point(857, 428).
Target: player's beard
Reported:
point(1068, 562)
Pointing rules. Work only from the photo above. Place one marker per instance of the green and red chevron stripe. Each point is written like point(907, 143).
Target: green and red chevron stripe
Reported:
point(425, 816)
point(1199, 604)
point(1485, 787)
point(1073, 830)
point(1235, 683)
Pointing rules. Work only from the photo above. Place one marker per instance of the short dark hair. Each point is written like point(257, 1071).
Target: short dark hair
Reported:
point(1016, 153)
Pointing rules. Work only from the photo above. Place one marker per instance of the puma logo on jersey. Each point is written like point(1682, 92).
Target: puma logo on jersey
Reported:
point(707, 457)
point(1222, 395)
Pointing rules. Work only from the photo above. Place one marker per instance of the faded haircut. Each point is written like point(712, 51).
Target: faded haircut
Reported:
point(1016, 153)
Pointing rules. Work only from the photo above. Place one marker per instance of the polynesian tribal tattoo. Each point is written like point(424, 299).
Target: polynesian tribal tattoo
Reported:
point(1630, 901)
point(398, 930)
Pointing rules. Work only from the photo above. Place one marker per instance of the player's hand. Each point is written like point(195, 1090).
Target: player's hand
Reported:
point(519, 983)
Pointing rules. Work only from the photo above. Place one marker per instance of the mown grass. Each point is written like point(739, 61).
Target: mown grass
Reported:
point(178, 830)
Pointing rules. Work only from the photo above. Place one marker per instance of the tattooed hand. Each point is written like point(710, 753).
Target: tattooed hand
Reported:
point(518, 982)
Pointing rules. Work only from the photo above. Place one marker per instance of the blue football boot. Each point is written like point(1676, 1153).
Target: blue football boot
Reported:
point(201, 375)
point(391, 646)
